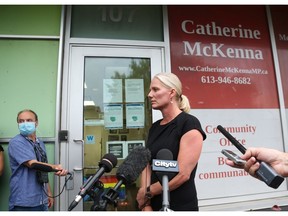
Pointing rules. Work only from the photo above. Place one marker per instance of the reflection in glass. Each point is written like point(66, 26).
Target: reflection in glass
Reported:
point(107, 83)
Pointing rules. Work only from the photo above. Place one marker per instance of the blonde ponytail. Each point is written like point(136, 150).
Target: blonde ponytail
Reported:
point(184, 104)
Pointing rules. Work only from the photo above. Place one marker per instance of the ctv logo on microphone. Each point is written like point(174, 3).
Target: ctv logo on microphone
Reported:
point(165, 165)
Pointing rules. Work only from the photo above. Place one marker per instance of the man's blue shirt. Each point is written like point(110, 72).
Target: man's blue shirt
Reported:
point(24, 187)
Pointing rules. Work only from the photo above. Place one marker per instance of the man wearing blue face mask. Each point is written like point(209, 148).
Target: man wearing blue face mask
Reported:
point(29, 188)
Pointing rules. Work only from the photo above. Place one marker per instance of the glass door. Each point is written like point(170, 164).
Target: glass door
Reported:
point(107, 112)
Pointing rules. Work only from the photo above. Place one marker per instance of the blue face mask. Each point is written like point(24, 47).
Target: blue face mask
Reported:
point(27, 128)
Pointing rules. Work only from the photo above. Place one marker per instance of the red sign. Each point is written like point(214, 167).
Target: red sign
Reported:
point(222, 55)
point(279, 18)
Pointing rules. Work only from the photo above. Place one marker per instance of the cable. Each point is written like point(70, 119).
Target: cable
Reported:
point(70, 177)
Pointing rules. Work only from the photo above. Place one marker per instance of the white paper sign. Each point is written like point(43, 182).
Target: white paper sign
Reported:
point(134, 90)
point(134, 115)
point(112, 91)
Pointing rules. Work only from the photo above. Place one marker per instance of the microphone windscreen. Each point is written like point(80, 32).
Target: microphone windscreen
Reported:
point(133, 165)
point(108, 162)
point(164, 154)
point(42, 167)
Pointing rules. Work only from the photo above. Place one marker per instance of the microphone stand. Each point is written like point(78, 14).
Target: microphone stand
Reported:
point(165, 194)
point(109, 198)
point(163, 163)
point(96, 195)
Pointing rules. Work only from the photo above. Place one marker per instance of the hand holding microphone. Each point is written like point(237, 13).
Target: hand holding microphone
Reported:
point(61, 171)
point(265, 172)
point(47, 168)
point(277, 159)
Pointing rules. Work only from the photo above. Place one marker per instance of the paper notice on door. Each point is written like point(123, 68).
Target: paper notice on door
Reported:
point(113, 116)
point(134, 90)
point(112, 91)
point(135, 115)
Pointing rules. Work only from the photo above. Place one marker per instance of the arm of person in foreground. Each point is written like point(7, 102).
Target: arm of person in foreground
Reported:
point(61, 172)
point(276, 159)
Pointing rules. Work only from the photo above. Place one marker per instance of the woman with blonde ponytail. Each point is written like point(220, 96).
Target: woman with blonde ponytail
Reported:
point(182, 134)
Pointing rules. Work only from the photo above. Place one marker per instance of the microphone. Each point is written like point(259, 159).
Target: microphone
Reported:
point(164, 166)
point(265, 172)
point(127, 173)
point(133, 165)
point(43, 167)
point(108, 162)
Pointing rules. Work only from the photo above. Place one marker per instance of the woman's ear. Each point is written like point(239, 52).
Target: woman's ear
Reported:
point(173, 92)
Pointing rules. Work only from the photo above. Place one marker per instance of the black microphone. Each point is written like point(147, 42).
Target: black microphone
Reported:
point(164, 165)
point(43, 167)
point(265, 172)
point(108, 162)
point(127, 173)
point(165, 168)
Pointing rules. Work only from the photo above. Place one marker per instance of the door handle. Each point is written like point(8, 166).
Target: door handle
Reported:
point(80, 141)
